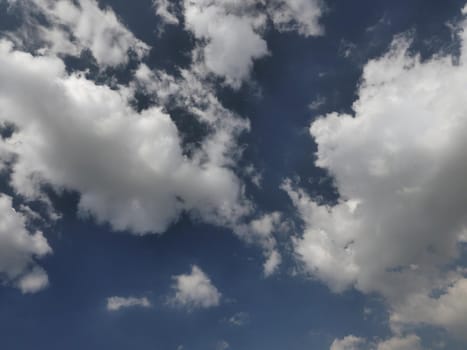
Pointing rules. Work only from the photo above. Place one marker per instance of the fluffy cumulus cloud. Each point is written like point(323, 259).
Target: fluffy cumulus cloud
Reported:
point(118, 303)
point(129, 167)
point(399, 224)
point(230, 32)
point(410, 342)
point(74, 26)
point(194, 290)
point(19, 249)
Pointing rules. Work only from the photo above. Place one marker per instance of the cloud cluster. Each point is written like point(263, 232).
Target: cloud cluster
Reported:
point(118, 303)
point(129, 167)
point(194, 290)
point(399, 164)
point(74, 26)
point(19, 249)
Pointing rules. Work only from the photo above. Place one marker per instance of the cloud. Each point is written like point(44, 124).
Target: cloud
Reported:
point(399, 164)
point(194, 290)
point(117, 303)
point(297, 15)
point(350, 342)
point(74, 26)
point(239, 319)
point(33, 281)
point(449, 310)
point(410, 342)
point(230, 33)
point(165, 10)
point(19, 249)
point(190, 92)
point(222, 345)
point(260, 231)
point(129, 167)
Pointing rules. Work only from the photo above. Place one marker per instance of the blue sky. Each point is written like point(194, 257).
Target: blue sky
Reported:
point(223, 174)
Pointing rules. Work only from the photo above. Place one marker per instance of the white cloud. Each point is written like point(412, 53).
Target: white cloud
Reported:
point(117, 303)
point(33, 281)
point(129, 167)
point(18, 250)
point(399, 164)
point(409, 342)
point(350, 342)
point(239, 319)
point(195, 290)
point(230, 32)
point(74, 26)
point(260, 231)
point(165, 10)
point(297, 15)
point(223, 345)
point(449, 310)
point(272, 263)
point(233, 41)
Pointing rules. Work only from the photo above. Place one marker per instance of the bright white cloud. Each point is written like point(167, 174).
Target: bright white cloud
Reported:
point(74, 26)
point(19, 249)
point(129, 167)
point(399, 164)
point(195, 290)
point(118, 303)
point(232, 37)
point(230, 32)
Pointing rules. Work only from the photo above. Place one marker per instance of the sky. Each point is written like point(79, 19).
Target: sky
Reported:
point(233, 174)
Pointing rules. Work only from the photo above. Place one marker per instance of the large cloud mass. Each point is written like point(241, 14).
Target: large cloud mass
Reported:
point(129, 167)
point(400, 165)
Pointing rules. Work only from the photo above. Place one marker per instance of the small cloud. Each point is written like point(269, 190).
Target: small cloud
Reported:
point(194, 290)
point(223, 345)
point(117, 303)
point(317, 103)
point(33, 281)
point(239, 319)
point(272, 263)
